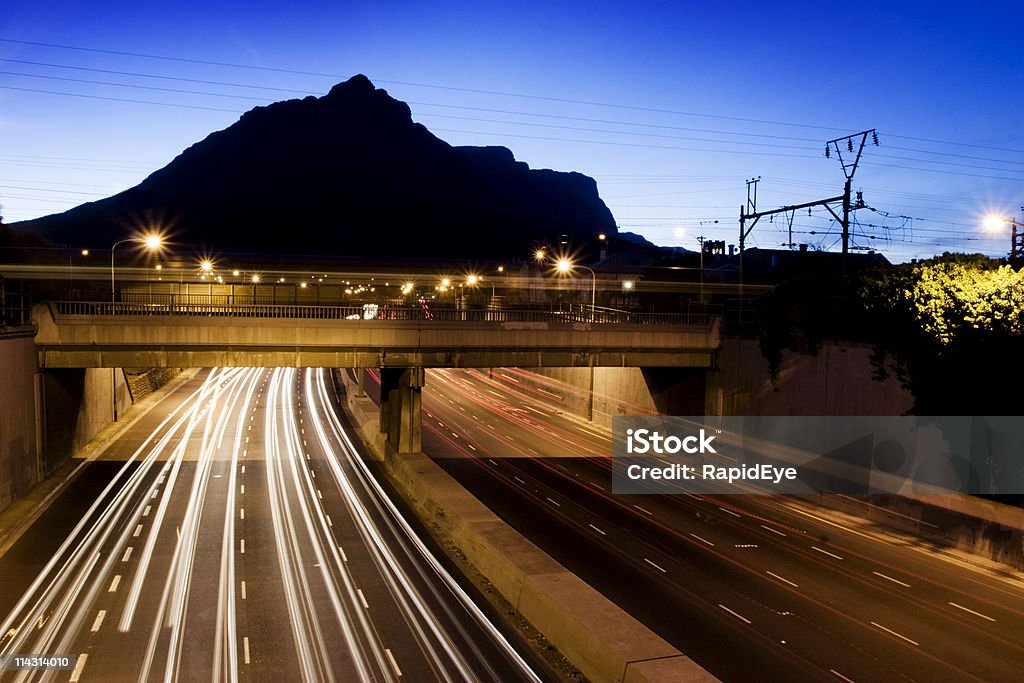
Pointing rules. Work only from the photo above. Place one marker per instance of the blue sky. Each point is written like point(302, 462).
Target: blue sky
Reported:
point(669, 105)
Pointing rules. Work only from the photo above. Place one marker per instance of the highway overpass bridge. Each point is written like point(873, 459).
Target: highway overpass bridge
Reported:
point(400, 341)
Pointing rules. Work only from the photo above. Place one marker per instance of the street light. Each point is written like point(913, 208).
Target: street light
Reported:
point(565, 266)
point(152, 242)
point(996, 223)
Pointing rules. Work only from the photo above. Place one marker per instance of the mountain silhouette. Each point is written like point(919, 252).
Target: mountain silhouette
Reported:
point(346, 174)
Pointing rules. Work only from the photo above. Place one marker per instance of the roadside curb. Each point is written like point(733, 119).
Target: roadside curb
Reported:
point(90, 452)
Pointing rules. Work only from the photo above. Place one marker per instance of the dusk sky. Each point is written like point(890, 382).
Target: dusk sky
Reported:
point(670, 106)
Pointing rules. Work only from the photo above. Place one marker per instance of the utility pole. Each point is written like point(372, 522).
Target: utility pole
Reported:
point(846, 204)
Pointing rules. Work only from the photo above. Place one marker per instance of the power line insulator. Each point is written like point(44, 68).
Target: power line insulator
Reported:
point(828, 151)
point(874, 138)
point(849, 145)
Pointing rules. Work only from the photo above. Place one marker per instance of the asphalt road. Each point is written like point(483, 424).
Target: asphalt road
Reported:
point(752, 587)
point(234, 534)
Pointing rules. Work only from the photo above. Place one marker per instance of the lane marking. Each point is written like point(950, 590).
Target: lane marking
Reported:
point(138, 530)
point(644, 510)
point(492, 462)
point(99, 620)
point(471, 446)
point(79, 665)
point(745, 545)
point(889, 578)
point(660, 569)
point(243, 590)
point(344, 557)
point(145, 513)
point(597, 485)
point(840, 676)
point(127, 554)
point(728, 511)
point(556, 504)
point(394, 664)
point(245, 649)
point(362, 598)
point(241, 513)
point(738, 616)
point(773, 574)
point(898, 635)
point(242, 491)
point(814, 547)
point(774, 531)
point(597, 530)
point(519, 480)
point(968, 609)
point(242, 547)
point(114, 584)
point(319, 495)
point(154, 494)
point(243, 469)
point(703, 540)
point(329, 522)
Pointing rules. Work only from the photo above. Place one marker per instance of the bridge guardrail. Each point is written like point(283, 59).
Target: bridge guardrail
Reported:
point(417, 313)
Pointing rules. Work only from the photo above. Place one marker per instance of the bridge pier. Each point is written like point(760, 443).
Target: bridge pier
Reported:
point(400, 408)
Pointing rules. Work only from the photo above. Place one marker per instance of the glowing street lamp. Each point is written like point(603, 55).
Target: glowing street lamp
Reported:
point(996, 223)
point(565, 266)
point(152, 242)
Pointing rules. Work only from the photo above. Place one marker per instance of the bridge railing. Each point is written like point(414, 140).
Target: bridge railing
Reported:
point(375, 312)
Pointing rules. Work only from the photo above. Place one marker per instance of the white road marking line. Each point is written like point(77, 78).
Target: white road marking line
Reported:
point(242, 547)
point(597, 485)
point(245, 452)
point(145, 513)
point(597, 530)
point(471, 446)
point(138, 530)
point(154, 494)
point(114, 584)
point(127, 554)
point(660, 569)
point(555, 503)
point(774, 531)
point(519, 480)
point(242, 489)
point(362, 598)
point(344, 557)
point(967, 609)
point(773, 574)
point(889, 630)
point(99, 620)
point(728, 511)
point(243, 590)
point(703, 540)
point(243, 469)
point(79, 665)
point(319, 495)
point(394, 664)
point(313, 474)
point(329, 522)
point(889, 578)
point(245, 649)
point(738, 616)
point(241, 513)
point(644, 510)
point(492, 462)
point(814, 547)
point(840, 676)
point(745, 545)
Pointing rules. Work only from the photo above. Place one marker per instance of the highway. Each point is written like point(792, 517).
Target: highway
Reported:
point(751, 587)
point(234, 534)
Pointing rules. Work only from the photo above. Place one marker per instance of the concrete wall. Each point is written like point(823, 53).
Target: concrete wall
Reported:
point(19, 464)
point(46, 417)
point(79, 403)
point(836, 381)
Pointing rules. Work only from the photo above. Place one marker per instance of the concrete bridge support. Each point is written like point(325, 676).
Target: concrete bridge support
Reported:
point(400, 408)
